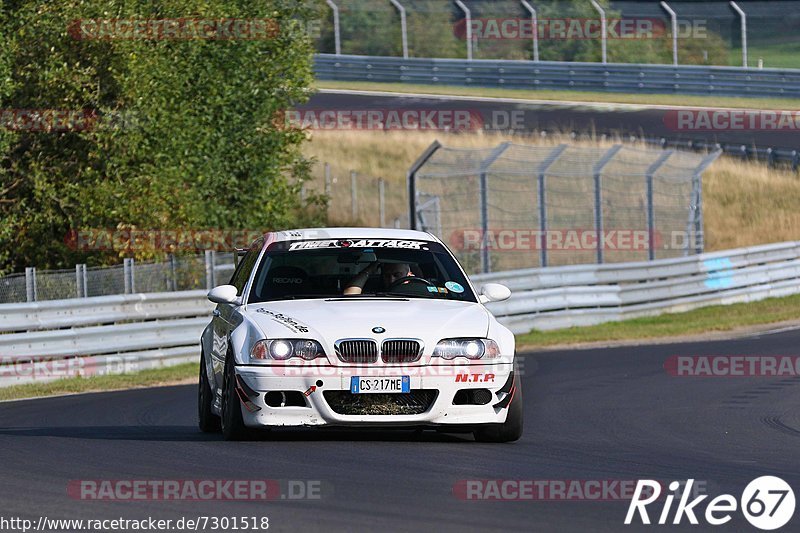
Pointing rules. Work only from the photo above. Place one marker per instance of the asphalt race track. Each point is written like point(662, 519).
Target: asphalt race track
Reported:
point(555, 117)
point(599, 414)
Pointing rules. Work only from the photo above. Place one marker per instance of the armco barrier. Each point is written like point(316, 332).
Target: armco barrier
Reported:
point(117, 333)
point(549, 75)
point(580, 295)
point(609, 77)
point(104, 334)
point(109, 309)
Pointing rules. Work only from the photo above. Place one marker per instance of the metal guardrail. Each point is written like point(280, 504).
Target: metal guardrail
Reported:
point(111, 334)
point(581, 295)
point(102, 309)
point(609, 77)
point(45, 341)
point(770, 156)
point(544, 75)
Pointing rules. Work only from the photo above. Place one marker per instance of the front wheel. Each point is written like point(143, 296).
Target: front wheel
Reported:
point(508, 431)
point(233, 427)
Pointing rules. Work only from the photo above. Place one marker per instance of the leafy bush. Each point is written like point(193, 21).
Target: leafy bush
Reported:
point(186, 136)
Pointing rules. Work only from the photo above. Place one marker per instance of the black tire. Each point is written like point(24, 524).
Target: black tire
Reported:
point(508, 431)
point(206, 419)
point(233, 427)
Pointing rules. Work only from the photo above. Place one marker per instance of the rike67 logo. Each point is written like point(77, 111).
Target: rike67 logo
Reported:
point(767, 503)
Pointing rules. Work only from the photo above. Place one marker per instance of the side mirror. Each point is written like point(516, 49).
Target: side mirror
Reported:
point(494, 292)
point(224, 294)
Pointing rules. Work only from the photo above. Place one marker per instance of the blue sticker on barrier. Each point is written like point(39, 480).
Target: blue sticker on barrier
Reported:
point(718, 273)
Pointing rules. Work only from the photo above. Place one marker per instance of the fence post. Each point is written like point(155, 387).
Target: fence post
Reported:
point(674, 17)
point(403, 26)
point(535, 24)
point(468, 20)
point(209, 258)
point(603, 30)
point(127, 273)
point(743, 16)
point(30, 284)
point(483, 183)
point(598, 198)
point(126, 276)
point(697, 185)
point(327, 180)
point(336, 32)
point(353, 195)
point(85, 282)
point(651, 220)
point(382, 202)
point(78, 281)
point(173, 272)
point(543, 167)
point(411, 179)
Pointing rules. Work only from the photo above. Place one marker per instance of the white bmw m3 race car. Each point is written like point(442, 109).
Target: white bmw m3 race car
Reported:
point(356, 327)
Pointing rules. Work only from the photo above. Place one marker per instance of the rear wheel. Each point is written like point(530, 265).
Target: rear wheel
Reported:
point(508, 431)
point(233, 427)
point(207, 420)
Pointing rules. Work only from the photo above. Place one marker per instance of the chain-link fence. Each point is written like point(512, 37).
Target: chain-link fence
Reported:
point(175, 274)
point(358, 199)
point(517, 206)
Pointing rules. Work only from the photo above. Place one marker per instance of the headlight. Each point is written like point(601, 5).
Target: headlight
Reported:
point(469, 348)
point(282, 349)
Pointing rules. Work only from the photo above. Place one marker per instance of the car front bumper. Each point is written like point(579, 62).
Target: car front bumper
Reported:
point(310, 387)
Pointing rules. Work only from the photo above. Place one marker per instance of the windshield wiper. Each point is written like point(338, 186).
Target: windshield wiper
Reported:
point(297, 297)
point(367, 296)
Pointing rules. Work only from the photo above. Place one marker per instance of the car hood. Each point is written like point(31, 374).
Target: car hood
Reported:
point(331, 320)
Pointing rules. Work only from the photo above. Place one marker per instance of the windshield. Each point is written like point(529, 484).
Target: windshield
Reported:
point(359, 268)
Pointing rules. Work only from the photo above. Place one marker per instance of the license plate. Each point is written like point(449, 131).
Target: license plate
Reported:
point(399, 384)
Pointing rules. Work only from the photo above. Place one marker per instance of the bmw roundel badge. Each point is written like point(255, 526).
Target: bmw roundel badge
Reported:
point(378, 329)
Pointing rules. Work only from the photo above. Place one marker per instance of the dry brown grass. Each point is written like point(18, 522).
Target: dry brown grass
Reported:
point(748, 203)
point(745, 203)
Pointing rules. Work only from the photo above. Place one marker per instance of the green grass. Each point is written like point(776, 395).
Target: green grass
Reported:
point(704, 320)
point(574, 96)
point(775, 55)
point(145, 378)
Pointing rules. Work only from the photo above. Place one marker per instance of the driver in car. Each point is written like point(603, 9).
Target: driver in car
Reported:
point(390, 273)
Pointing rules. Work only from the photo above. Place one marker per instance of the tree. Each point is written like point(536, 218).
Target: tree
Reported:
point(180, 132)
